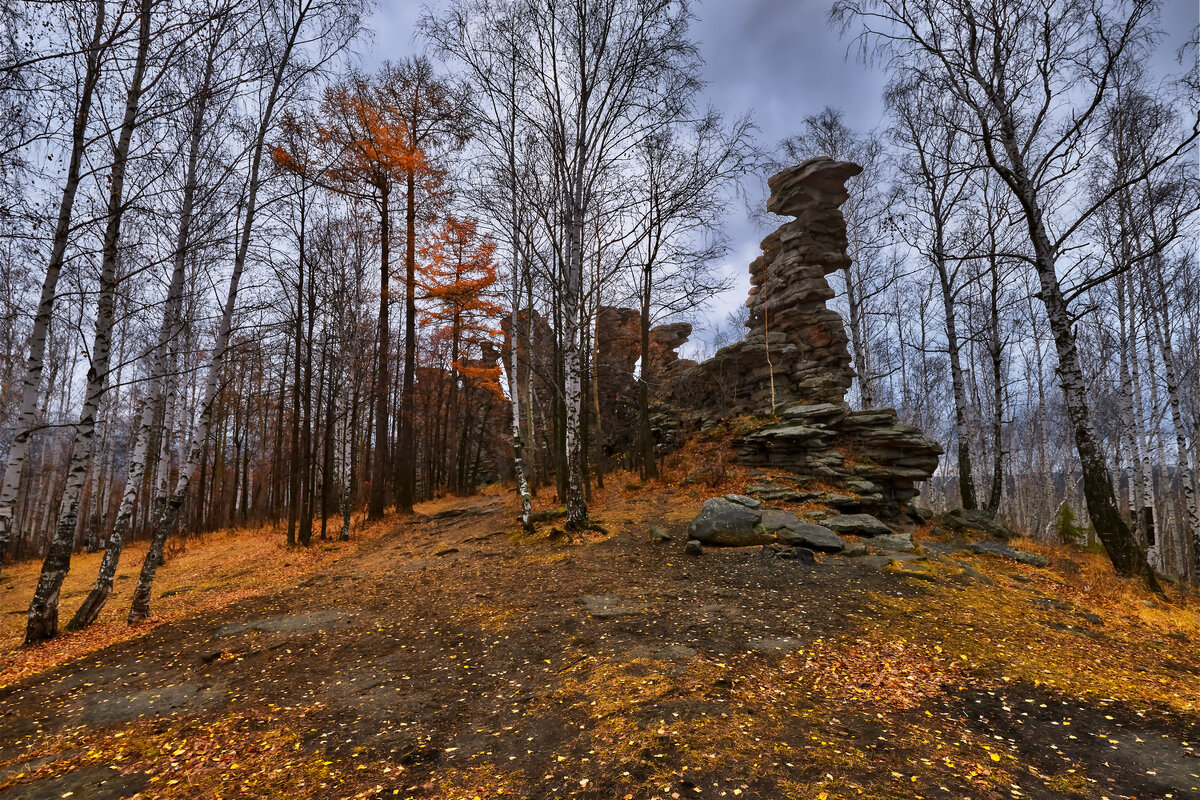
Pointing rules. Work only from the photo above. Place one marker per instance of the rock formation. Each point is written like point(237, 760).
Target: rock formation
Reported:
point(791, 372)
point(794, 365)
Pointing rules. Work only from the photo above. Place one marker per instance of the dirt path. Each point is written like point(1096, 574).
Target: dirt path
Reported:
point(453, 659)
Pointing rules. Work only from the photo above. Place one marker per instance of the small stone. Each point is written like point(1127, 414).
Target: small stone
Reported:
point(857, 551)
point(894, 542)
point(959, 519)
point(659, 534)
point(836, 500)
point(1050, 602)
point(803, 555)
point(971, 573)
point(694, 547)
point(814, 537)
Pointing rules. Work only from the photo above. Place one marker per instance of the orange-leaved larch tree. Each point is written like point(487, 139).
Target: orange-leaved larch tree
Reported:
point(434, 110)
point(459, 281)
point(371, 151)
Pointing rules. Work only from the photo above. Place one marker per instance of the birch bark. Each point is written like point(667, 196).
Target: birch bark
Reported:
point(18, 454)
point(42, 622)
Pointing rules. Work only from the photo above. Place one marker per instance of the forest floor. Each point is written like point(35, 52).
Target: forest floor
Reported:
point(447, 655)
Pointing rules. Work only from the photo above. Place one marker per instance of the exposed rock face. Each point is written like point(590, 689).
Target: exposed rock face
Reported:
point(794, 360)
point(868, 453)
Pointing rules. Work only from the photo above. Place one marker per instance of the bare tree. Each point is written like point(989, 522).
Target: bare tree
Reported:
point(682, 170)
point(198, 125)
point(100, 36)
point(1033, 81)
point(602, 73)
point(936, 169)
point(285, 30)
point(485, 38)
point(43, 609)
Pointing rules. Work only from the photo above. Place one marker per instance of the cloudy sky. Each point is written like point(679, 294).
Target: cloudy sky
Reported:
point(778, 59)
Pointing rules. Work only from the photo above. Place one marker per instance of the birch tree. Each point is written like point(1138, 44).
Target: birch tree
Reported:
point(285, 30)
point(681, 175)
point(1033, 80)
point(198, 127)
point(93, 49)
point(485, 38)
point(603, 71)
point(935, 169)
point(42, 622)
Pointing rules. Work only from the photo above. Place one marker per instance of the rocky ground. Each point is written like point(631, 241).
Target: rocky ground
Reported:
point(455, 658)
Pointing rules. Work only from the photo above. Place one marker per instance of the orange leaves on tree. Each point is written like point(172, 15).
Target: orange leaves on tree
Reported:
point(458, 276)
point(367, 138)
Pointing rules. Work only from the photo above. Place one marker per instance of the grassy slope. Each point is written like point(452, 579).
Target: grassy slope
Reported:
point(902, 691)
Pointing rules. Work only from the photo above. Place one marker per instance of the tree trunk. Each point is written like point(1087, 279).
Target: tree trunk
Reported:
point(1126, 554)
point(1183, 468)
point(42, 623)
point(966, 480)
point(1123, 549)
point(140, 607)
point(858, 344)
point(168, 329)
point(18, 452)
point(645, 434)
point(379, 471)
point(996, 353)
point(408, 462)
point(577, 512)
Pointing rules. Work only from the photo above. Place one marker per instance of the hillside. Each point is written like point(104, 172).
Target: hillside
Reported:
point(449, 656)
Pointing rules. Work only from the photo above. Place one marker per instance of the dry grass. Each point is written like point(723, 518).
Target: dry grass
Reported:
point(205, 573)
point(1007, 632)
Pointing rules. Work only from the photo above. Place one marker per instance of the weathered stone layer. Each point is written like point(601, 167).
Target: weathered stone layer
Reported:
point(794, 361)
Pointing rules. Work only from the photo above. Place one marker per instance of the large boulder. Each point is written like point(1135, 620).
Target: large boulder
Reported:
point(730, 522)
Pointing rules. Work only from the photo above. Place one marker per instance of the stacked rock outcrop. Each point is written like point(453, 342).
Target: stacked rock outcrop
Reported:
point(796, 346)
point(794, 362)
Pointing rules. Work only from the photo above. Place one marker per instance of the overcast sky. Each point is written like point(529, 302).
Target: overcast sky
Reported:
point(778, 59)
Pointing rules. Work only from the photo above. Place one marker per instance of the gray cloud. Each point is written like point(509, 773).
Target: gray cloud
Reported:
point(779, 59)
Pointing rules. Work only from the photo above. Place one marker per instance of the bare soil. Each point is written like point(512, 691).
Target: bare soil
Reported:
point(456, 658)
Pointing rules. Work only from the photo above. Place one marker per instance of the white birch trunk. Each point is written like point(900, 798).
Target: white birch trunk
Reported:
point(43, 609)
point(572, 378)
point(514, 383)
point(1131, 422)
point(140, 607)
point(1182, 463)
point(10, 485)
